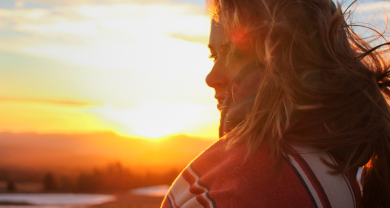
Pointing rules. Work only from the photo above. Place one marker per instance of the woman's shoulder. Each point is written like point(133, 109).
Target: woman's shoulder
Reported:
point(227, 178)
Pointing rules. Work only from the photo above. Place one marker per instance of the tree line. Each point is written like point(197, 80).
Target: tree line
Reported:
point(114, 177)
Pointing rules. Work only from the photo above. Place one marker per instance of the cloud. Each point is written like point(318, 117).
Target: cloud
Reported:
point(68, 103)
point(95, 2)
point(114, 36)
point(374, 6)
point(92, 24)
point(19, 4)
point(124, 19)
point(198, 39)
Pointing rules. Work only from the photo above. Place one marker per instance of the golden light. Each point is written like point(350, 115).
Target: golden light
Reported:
point(144, 63)
point(29, 116)
point(155, 120)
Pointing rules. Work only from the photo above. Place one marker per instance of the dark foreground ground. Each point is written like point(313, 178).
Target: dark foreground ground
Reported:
point(126, 200)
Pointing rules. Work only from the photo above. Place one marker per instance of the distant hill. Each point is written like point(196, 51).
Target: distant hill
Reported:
point(85, 151)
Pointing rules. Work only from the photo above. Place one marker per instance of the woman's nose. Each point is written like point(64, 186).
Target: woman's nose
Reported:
point(217, 77)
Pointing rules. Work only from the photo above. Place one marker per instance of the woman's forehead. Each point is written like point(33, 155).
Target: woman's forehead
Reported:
point(219, 40)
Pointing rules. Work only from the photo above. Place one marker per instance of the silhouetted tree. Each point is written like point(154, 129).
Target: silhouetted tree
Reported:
point(66, 184)
point(87, 183)
point(115, 177)
point(49, 182)
point(11, 186)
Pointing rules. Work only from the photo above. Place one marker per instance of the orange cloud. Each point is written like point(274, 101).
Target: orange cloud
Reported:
point(95, 2)
point(197, 39)
point(69, 103)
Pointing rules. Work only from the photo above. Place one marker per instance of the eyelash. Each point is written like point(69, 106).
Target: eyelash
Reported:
point(235, 54)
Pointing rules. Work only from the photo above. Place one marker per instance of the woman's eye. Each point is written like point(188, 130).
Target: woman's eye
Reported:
point(213, 57)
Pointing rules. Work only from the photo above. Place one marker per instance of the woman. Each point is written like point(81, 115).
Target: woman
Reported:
point(303, 106)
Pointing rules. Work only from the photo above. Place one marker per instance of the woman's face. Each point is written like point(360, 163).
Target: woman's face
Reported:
point(221, 74)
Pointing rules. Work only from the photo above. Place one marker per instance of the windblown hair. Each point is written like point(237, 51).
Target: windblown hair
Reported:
point(322, 85)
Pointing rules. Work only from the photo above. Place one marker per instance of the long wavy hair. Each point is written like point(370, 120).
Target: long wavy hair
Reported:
point(322, 85)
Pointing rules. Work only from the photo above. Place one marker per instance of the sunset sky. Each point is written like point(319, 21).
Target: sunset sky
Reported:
point(135, 67)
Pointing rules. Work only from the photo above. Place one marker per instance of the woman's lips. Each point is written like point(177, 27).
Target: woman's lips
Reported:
point(219, 106)
point(220, 102)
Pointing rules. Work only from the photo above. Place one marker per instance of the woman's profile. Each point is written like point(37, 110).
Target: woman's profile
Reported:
point(303, 103)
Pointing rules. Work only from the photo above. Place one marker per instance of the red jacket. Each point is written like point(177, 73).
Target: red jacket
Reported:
point(224, 178)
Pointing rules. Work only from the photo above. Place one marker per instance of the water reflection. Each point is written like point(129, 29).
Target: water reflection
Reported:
point(55, 200)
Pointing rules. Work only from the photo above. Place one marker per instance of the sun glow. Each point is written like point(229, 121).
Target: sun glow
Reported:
point(155, 120)
point(143, 66)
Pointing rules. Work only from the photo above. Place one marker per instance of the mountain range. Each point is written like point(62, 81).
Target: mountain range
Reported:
point(85, 151)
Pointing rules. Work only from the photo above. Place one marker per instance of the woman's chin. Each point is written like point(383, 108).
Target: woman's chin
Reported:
point(219, 106)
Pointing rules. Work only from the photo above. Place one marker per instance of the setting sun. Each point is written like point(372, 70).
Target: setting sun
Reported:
point(155, 120)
